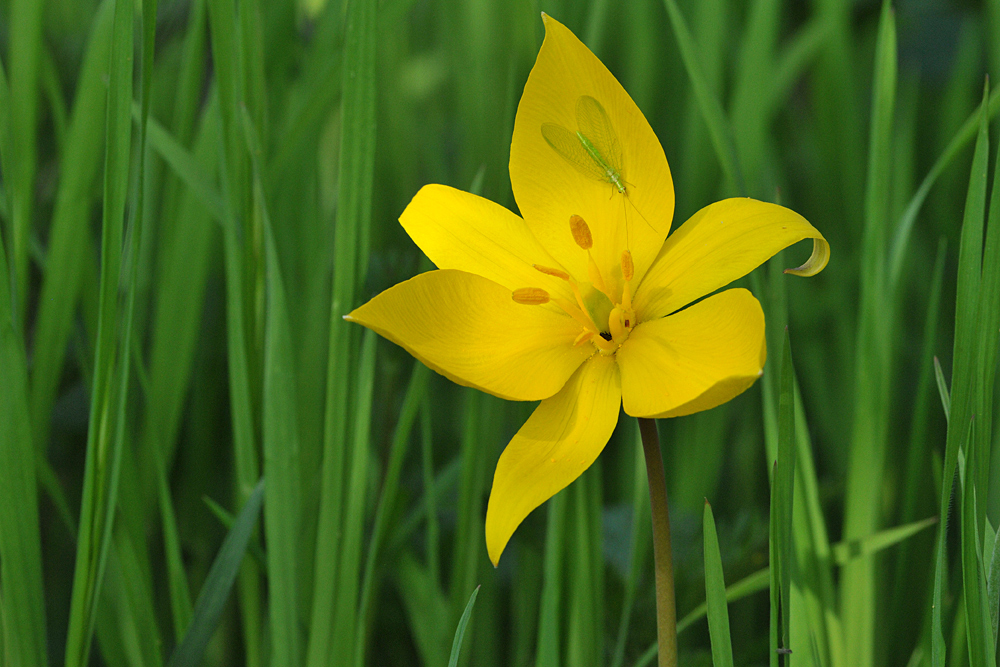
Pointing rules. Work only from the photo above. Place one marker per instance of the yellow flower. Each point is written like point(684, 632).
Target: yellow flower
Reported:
point(581, 304)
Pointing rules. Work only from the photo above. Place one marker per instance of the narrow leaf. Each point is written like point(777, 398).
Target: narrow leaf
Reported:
point(460, 630)
point(753, 583)
point(711, 109)
point(844, 552)
point(22, 605)
point(218, 583)
point(715, 595)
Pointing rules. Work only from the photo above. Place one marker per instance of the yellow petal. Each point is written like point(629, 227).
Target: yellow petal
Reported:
point(693, 360)
point(459, 230)
point(720, 243)
point(548, 187)
point(560, 440)
point(470, 330)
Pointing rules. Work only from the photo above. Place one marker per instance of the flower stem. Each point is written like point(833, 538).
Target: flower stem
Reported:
point(666, 612)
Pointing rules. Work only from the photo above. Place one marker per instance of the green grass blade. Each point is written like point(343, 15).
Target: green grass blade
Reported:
point(993, 585)
point(911, 563)
point(774, 578)
point(477, 429)
point(942, 386)
point(104, 427)
point(241, 263)
point(415, 395)
point(460, 630)
point(784, 491)
point(813, 596)
point(959, 404)
point(310, 105)
point(187, 167)
point(965, 388)
point(22, 605)
point(750, 118)
point(581, 644)
point(711, 109)
point(979, 627)
point(796, 57)
point(180, 596)
point(433, 535)
point(715, 595)
point(345, 620)
point(282, 512)
point(872, 364)
point(218, 583)
point(904, 227)
point(69, 235)
point(844, 552)
point(24, 58)
point(6, 138)
point(357, 154)
point(754, 583)
point(639, 542)
point(549, 624)
point(425, 605)
point(988, 338)
point(134, 597)
point(243, 271)
point(185, 252)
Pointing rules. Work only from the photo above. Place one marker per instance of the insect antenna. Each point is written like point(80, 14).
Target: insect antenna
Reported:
point(626, 195)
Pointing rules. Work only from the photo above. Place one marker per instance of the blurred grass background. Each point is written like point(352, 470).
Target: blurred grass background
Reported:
point(194, 191)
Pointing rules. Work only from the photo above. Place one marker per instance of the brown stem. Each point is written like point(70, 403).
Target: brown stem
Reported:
point(666, 612)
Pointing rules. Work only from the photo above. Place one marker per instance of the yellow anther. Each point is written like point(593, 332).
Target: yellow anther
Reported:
point(581, 232)
point(530, 296)
point(549, 271)
point(628, 269)
point(583, 338)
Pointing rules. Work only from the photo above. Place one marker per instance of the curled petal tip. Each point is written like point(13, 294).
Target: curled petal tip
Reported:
point(348, 318)
point(817, 260)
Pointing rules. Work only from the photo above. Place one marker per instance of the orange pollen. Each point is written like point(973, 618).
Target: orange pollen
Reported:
point(581, 232)
point(628, 269)
point(549, 271)
point(530, 296)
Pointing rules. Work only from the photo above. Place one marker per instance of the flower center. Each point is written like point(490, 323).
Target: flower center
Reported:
point(606, 319)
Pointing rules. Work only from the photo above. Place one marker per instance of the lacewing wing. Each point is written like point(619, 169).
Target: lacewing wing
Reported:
point(593, 149)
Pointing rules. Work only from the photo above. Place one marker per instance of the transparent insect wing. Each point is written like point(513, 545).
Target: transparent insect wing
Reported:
point(568, 146)
point(595, 124)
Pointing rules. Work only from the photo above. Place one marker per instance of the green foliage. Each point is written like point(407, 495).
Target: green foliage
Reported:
point(247, 160)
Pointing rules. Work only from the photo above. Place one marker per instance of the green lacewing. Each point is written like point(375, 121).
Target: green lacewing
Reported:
point(594, 149)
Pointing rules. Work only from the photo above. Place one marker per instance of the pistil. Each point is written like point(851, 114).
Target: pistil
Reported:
point(594, 306)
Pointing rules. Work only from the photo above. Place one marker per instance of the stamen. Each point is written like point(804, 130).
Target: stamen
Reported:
point(626, 300)
point(581, 232)
point(595, 276)
point(583, 338)
point(576, 313)
point(530, 296)
point(549, 271)
point(628, 269)
point(579, 298)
